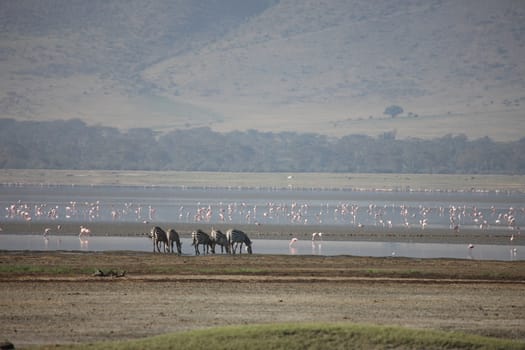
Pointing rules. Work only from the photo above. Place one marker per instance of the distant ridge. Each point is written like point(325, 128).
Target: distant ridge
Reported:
point(330, 66)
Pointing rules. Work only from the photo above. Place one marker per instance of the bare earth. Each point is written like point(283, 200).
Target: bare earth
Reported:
point(160, 294)
point(54, 297)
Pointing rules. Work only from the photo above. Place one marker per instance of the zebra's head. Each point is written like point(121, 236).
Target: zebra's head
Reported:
point(249, 248)
point(153, 232)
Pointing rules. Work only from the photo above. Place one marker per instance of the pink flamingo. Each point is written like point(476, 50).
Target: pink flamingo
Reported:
point(292, 242)
point(317, 236)
point(84, 231)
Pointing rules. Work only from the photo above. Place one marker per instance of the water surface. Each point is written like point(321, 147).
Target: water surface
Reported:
point(268, 246)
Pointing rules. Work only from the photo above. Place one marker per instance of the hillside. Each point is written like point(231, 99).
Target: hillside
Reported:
point(329, 66)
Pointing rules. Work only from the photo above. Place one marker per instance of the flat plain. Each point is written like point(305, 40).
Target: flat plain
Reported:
point(58, 298)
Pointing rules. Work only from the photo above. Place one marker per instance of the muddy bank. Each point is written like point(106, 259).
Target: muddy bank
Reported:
point(286, 232)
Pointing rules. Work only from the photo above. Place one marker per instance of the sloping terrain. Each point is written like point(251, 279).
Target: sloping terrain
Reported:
point(329, 66)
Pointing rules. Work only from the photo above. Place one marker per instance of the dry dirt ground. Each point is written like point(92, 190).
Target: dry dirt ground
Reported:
point(60, 300)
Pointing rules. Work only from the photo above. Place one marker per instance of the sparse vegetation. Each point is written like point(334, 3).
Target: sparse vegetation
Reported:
point(235, 65)
point(265, 289)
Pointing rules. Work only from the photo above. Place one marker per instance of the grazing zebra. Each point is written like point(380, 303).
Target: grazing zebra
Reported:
point(219, 238)
point(236, 237)
point(173, 238)
point(158, 235)
point(200, 237)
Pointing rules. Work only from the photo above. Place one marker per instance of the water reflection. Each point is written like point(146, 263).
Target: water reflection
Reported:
point(84, 243)
point(317, 248)
point(267, 246)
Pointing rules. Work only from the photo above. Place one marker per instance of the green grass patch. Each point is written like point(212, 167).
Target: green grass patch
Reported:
point(308, 336)
point(44, 269)
point(227, 270)
point(241, 271)
point(393, 273)
point(179, 269)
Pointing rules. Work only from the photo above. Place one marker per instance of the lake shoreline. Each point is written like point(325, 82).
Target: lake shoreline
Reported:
point(499, 236)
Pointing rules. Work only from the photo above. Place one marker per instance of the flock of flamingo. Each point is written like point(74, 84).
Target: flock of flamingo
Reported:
point(287, 213)
point(344, 213)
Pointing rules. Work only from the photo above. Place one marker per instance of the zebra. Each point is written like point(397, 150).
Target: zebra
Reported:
point(200, 237)
point(219, 238)
point(173, 237)
point(236, 237)
point(158, 235)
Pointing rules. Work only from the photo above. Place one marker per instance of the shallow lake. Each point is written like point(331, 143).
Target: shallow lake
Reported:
point(498, 211)
point(83, 204)
point(266, 246)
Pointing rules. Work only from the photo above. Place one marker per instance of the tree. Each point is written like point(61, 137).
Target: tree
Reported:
point(393, 111)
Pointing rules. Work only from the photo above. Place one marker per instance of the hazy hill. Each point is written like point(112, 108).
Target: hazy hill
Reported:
point(328, 66)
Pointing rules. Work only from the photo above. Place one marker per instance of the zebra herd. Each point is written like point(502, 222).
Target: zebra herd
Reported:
point(228, 242)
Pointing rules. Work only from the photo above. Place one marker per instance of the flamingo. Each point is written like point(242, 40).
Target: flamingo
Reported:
point(317, 236)
point(84, 231)
point(291, 246)
point(470, 246)
point(47, 231)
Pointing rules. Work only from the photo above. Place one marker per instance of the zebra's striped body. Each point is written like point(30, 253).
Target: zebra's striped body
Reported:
point(173, 238)
point(200, 237)
point(158, 235)
point(238, 237)
point(219, 238)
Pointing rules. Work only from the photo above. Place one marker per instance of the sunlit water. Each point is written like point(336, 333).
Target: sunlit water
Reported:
point(267, 246)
